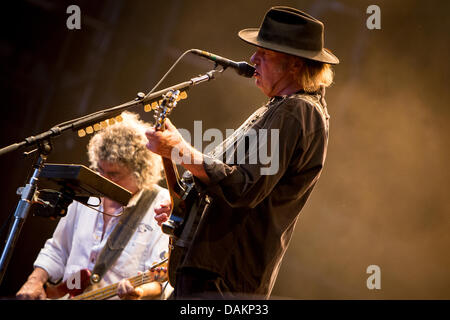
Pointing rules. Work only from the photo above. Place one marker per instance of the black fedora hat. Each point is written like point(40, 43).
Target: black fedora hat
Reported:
point(290, 31)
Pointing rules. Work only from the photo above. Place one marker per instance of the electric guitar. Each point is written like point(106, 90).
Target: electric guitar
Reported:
point(186, 201)
point(82, 289)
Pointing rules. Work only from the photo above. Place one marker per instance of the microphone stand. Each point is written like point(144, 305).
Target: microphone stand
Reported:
point(43, 141)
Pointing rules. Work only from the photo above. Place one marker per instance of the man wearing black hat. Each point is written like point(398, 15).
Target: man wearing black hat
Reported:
point(242, 237)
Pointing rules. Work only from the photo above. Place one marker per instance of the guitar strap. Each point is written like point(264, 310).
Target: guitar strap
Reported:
point(122, 233)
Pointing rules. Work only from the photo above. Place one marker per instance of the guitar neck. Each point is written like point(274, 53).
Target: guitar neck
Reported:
point(170, 169)
point(111, 290)
point(172, 178)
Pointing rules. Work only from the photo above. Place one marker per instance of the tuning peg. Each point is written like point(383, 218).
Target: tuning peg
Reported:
point(182, 95)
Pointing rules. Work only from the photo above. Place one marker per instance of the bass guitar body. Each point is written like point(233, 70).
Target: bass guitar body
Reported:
point(80, 287)
point(71, 288)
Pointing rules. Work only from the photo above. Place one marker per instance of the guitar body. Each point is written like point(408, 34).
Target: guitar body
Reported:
point(183, 224)
point(184, 217)
point(74, 286)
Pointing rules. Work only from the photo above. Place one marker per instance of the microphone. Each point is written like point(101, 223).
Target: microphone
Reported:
point(242, 68)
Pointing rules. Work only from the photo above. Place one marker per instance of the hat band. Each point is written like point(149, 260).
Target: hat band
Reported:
point(301, 43)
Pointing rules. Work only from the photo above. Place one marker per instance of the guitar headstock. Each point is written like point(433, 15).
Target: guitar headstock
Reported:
point(155, 105)
point(165, 107)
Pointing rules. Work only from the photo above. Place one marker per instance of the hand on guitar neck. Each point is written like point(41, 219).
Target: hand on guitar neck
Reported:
point(162, 142)
point(151, 290)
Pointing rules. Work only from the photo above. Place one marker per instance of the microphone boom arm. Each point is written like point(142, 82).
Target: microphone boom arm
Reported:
point(102, 115)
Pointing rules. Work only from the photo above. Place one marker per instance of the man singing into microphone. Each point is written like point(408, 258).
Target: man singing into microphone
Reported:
point(242, 237)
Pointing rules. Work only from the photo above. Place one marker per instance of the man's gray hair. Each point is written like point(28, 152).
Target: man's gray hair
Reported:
point(125, 143)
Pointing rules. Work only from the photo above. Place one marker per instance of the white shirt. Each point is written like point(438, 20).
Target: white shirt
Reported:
point(77, 242)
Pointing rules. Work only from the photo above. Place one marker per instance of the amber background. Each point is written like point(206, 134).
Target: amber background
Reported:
point(383, 196)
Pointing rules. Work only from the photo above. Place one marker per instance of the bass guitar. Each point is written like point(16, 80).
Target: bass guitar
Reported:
point(81, 289)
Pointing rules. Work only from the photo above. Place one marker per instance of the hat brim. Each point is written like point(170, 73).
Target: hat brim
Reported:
point(251, 36)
